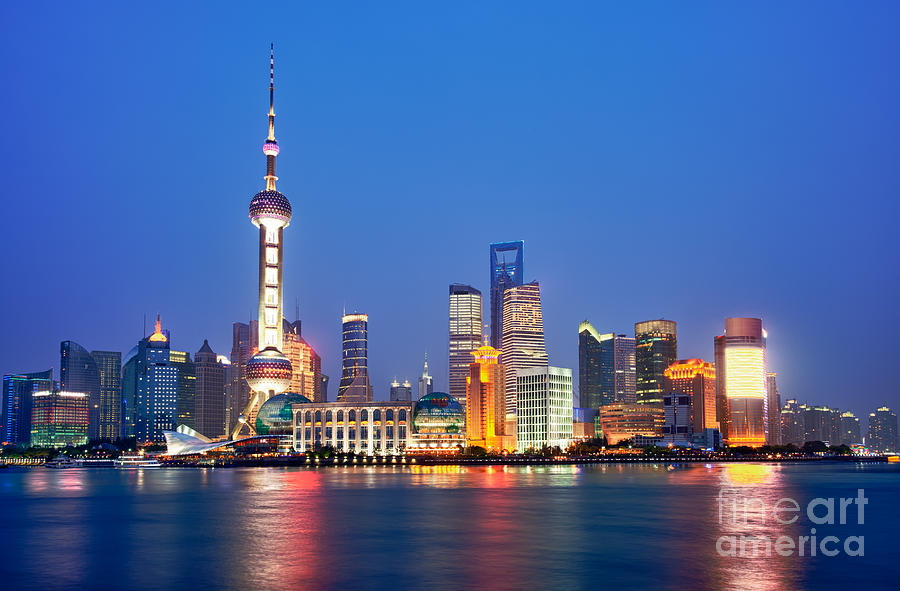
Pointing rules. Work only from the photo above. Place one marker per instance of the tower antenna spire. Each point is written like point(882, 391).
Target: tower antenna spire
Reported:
point(270, 149)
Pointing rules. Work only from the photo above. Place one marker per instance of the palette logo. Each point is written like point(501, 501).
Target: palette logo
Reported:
point(740, 512)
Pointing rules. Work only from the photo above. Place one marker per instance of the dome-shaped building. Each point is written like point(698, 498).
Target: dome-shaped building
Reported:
point(275, 416)
point(269, 371)
point(438, 422)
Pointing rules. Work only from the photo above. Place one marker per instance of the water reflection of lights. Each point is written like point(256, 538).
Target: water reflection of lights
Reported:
point(747, 474)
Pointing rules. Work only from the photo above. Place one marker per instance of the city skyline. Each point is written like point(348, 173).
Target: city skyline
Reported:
point(99, 316)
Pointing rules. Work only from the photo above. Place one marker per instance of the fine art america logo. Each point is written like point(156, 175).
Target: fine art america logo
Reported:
point(747, 514)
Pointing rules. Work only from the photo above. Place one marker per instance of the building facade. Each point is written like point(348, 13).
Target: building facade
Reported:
point(370, 428)
point(679, 426)
point(543, 407)
point(486, 407)
point(741, 388)
point(850, 432)
point(466, 335)
point(426, 382)
point(882, 433)
point(237, 392)
point(821, 423)
point(507, 270)
point(109, 366)
point(187, 387)
point(60, 419)
point(773, 409)
point(595, 367)
point(523, 339)
point(696, 379)
point(355, 384)
point(78, 372)
point(209, 393)
point(401, 392)
point(305, 362)
point(150, 389)
point(618, 422)
point(18, 402)
point(793, 428)
point(656, 348)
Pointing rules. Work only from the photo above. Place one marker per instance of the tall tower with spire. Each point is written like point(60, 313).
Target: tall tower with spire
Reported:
point(426, 383)
point(268, 372)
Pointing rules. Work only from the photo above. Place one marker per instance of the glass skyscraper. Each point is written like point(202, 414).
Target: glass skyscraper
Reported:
point(150, 389)
point(507, 270)
point(209, 393)
point(591, 367)
point(882, 435)
point(656, 348)
point(18, 400)
point(187, 387)
point(355, 385)
point(109, 366)
point(465, 335)
point(59, 419)
point(78, 373)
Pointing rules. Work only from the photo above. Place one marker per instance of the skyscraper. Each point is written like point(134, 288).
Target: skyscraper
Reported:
point(268, 372)
point(523, 338)
point(355, 385)
point(306, 363)
point(507, 270)
point(486, 410)
point(78, 373)
point(696, 379)
point(187, 387)
point(543, 407)
point(741, 390)
point(882, 435)
point(850, 433)
point(426, 382)
point(59, 419)
point(465, 335)
point(109, 365)
point(401, 392)
point(18, 399)
point(821, 423)
point(773, 410)
point(793, 429)
point(656, 348)
point(625, 368)
point(237, 392)
point(591, 366)
point(209, 393)
point(150, 388)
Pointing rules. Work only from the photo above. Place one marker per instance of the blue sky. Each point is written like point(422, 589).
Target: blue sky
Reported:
point(688, 161)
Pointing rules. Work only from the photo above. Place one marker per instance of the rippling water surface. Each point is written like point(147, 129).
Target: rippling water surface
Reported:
point(561, 527)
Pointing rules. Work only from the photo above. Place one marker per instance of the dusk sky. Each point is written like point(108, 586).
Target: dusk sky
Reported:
point(690, 161)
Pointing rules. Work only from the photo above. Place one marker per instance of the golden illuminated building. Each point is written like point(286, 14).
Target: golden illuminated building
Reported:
point(306, 364)
point(486, 408)
point(695, 378)
point(622, 421)
point(741, 387)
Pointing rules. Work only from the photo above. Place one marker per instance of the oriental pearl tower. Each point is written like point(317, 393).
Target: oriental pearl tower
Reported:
point(268, 372)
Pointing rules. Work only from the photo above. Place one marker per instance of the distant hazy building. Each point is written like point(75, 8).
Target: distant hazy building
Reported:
point(741, 390)
point(401, 392)
point(656, 348)
point(237, 392)
point(187, 387)
point(59, 419)
point(486, 410)
point(793, 428)
point(109, 366)
point(821, 423)
point(617, 422)
point(523, 338)
point(773, 410)
point(465, 335)
point(355, 385)
point(850, 432)
point(78, 373)
point(543, 407)
point(426, 382)
point(507, 270)
point(882, 435)
point(209, 393)
point(150, 389)
point(696, 379)
point(18, 399)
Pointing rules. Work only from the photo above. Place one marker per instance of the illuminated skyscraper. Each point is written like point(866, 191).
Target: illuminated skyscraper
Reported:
point(486, 410)
point(793, 429)
point(850, 433)
point(268, 372)
point(882, 435)
point(426, 382)
point(656, 348)
point(355, 385)
point(78, 373)
point(741, 390)
point(306, 363)
point(187, 387)
point(401, 392)
point(109, 366)
point(150, 388)
point(773, 410)
point(697, 379)
point(821, 423)
point(625, 383)
point(507, 270)
point(523, 338)
point(18, 399)
point(591, 367)
point(209, 393)
point(59, 419)
point(465, 335)
point(543, 407)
